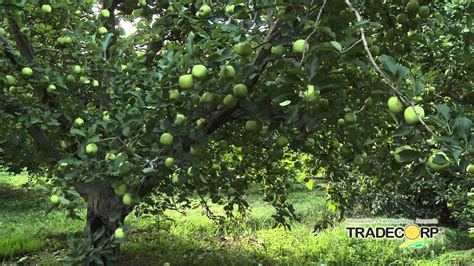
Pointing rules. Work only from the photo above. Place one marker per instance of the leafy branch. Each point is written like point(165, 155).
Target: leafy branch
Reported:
point(385, 78)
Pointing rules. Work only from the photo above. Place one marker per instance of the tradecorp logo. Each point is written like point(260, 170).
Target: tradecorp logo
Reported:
point(414, 234)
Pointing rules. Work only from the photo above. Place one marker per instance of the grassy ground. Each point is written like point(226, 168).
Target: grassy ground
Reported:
point(28, 236)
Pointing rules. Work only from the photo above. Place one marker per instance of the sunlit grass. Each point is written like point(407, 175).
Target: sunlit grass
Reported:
point(27, 233)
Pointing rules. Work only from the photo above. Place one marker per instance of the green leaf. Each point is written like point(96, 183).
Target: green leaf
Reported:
point(221, 55)
point(403, 131)
point(336, 45)
point(105, 44)
point(447, 140)
point(148, 170)
point(77, 132)
point(389, 63)
point(409, 155)
point(330, 46)
point(327, 31)
point(97, 234)
point(444, 110)
point(463, 125)
point(114, 217)
point(285, 103)
point(311, 65)
point(419, 87)
point(439, 159)
point(189, 43)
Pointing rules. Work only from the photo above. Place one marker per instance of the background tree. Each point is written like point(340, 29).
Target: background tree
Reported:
point(209, 98)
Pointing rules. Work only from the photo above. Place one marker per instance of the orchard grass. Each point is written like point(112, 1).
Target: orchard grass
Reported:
point(192, 238)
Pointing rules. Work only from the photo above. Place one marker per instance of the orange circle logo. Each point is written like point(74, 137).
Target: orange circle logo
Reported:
point(412, 231)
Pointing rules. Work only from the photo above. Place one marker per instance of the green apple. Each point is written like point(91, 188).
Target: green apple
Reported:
point(46, 9)
point(175, 179)
point(438, 167)
point(78, 122)
point(358, 160)
point(51, 88)
point(67, 40)
point(207, 97)
point(229, 101)
point(374, 50)
point(229, 10)
point(402, 18)
point(230, 191)
point(323, 103)
point(91, 148)
point(251, 126)
point(27, 72)
point(282, 141)
point(95, 83)
point(120, 189)
point(240, 90)
point(199, 71)
point(110, 156)
point(105, 13)
point(300, 46)
point(204, 11)
point(175, 95)
point(470, 168)
point(71, 78)
point(180, 118)
point(54, 199)
point(243, 49)
point(227, 72)
point(102, 30)
point(63, 144)
point(394, 104)
point(127, 199)
point(77, 69)
point(278, 50)
point(105, 116)
point(412, 7)
point(119, 233)
point(166, 139)
point(350, 117)
point(424, 12)
point(10, 80)
point(341, 122)
point(196, 150)
point(186, 81)
point(397, 152)
point(84, 80)
point(410, 115)
point(169, 162)
point(2, 31)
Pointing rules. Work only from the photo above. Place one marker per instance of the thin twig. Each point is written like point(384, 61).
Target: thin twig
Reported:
point(386, 79)
point(352, 46)
point(316, 24)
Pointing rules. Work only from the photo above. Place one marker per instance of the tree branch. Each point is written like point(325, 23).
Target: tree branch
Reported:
point(22, 42)
point(383, 75)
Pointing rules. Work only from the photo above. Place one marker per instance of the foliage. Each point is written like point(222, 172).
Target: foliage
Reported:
point(91, 108)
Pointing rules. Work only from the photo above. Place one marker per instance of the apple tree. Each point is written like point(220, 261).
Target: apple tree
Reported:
point(207, 98)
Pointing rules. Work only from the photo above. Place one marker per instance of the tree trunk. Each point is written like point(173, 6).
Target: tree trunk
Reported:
point(105, 213)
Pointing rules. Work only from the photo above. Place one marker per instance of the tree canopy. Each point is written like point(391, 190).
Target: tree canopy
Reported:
point(371, 100)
